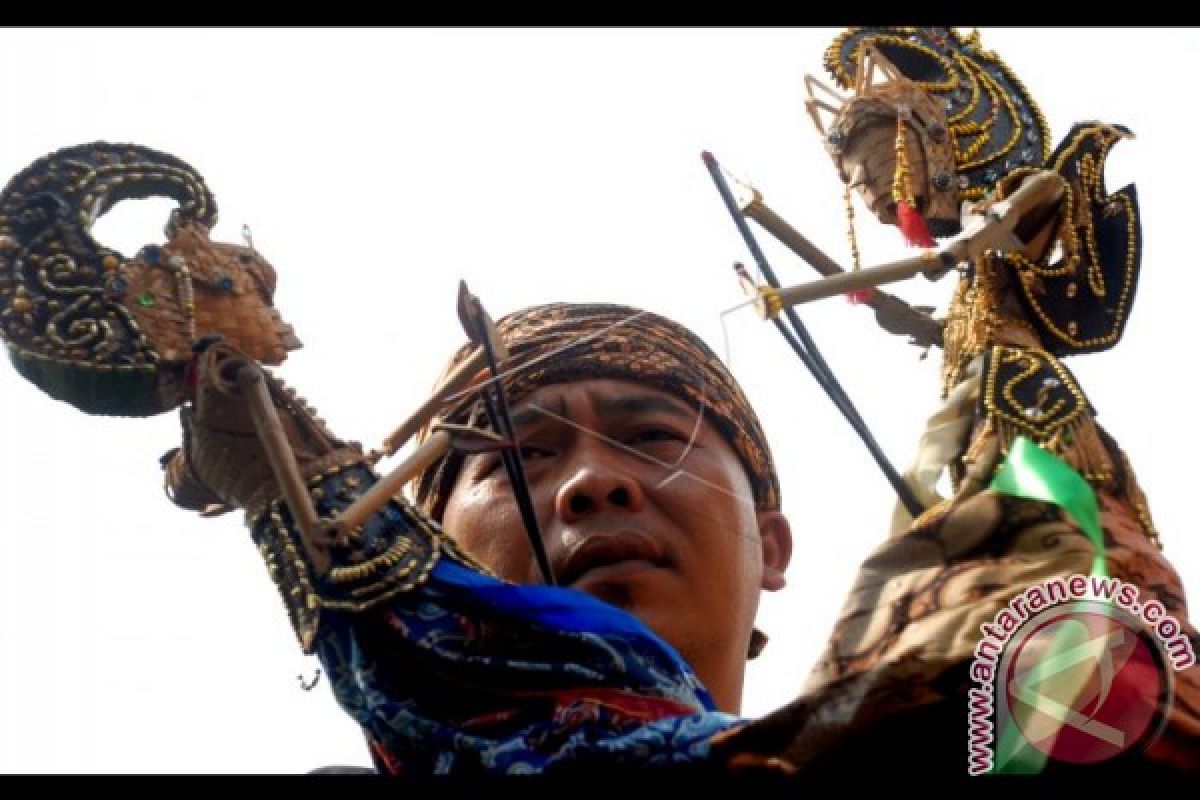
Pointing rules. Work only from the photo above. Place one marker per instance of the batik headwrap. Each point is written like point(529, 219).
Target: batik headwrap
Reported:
point(562, 342)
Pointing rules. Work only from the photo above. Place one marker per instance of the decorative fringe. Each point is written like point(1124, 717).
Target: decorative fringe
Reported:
point(858, 295)
point(912, 225)
point(1078, 443)
point(972, 322)
point(1094, 454)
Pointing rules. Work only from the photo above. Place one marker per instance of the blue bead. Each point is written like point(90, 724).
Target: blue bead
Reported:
point(151, 254)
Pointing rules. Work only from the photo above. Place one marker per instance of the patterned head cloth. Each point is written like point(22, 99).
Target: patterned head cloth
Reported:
point(562, 342)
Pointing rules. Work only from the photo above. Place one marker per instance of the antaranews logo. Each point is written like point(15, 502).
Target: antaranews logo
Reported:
point(1073, 669)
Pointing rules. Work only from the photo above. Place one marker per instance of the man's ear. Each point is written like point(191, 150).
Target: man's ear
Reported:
point(776, 536)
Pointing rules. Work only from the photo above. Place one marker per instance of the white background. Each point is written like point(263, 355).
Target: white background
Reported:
point(376, 168)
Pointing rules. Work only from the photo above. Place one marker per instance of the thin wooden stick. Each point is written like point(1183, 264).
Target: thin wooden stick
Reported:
point(814, 102)
point(995, 229)
point(893, 314)
point(859, 279)
point(430, 450)
point(457, 380)
point(283, 463)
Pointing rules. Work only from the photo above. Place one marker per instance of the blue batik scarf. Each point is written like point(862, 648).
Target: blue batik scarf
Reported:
point(485, 676)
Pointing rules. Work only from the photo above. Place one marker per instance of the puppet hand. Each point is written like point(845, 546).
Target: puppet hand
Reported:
point(223, 464)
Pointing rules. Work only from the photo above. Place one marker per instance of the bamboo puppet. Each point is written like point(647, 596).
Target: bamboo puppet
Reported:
point(119, 335)
point(939, 138)
point(416, 636)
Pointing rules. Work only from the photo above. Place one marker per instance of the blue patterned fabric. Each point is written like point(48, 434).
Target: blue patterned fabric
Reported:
point(470, 674)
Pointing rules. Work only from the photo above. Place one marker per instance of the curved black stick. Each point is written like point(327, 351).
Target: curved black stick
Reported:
point(475, 320)
point(802, 343)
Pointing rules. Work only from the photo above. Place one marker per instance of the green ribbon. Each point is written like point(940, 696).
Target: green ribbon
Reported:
point(1037, 474)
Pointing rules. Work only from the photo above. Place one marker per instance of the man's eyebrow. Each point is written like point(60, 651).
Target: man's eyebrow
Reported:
point(527, 416)
point(618, 407)
point(634, 404)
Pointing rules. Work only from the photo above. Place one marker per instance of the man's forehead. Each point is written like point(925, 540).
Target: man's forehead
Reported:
point(606, 398)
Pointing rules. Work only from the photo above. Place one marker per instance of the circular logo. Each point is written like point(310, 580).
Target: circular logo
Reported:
point(1084, 684)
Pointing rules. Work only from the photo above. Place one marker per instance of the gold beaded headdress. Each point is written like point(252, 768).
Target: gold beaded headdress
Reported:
point(968, 113)
point(993, 122)
point(950, 118)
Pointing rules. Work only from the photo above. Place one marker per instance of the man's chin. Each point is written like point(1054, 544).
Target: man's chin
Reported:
point(622, 573)
point(636, 586)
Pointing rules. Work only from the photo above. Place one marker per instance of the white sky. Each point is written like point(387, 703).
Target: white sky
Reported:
point(376, 168)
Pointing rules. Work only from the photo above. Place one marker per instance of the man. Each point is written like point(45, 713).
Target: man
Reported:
point(651, 478)
point(654, 491)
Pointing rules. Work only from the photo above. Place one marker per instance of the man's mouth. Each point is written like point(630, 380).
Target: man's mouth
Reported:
point(611, 555)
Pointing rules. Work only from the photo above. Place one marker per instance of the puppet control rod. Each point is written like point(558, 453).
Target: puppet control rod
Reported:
point(994, 230)
point(893, 314)
point(317, 535)
point(803, 345)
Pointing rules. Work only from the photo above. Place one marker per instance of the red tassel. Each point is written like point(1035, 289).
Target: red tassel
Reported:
point(913, 226)
point(857, 296)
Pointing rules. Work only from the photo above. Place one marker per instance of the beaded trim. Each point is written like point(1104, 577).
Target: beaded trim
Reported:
point(1031, 391)
point(1080, 304)
point(393, 552)
point(50, 283)
point(1027, 391)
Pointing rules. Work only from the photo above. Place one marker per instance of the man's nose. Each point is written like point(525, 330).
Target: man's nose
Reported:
point(597, 488)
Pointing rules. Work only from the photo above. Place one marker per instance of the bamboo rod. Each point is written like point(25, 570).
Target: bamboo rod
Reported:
point(283, 463)
point(389, 485)
point(866, 278)
point(892, 313)
point(778, 227)
point(992, 230)
point(457, 380)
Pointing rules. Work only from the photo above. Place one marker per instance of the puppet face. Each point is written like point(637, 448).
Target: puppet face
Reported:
point(230, 289)
point(890, 141)
point(111, 334)
point(642, 504)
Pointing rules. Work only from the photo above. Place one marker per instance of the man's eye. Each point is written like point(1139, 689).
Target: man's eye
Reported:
point(529, 452)
point(655, 435)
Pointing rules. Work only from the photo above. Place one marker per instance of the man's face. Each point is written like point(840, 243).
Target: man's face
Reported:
point(641, 503)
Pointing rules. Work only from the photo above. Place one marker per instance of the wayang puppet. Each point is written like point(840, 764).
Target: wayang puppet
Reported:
point(941, 139)
point(446, 668)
